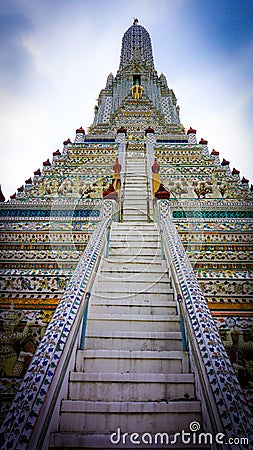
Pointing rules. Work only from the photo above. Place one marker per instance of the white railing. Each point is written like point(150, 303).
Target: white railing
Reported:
point(121, 139)
point(34, 412)
point(224, 407)
point(150, 155)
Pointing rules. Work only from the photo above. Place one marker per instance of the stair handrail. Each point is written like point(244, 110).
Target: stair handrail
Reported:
point(122, 149)
point(225, 400)
point(27, 424)
point(150, 154)
point(147, 184)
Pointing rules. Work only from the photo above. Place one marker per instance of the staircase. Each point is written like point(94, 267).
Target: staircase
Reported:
point(133, 374)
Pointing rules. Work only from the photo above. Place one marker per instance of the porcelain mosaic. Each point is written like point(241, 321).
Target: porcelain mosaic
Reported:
point(228, 395)
point(31, 396)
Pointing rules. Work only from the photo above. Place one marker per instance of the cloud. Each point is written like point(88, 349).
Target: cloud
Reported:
point(15, 60)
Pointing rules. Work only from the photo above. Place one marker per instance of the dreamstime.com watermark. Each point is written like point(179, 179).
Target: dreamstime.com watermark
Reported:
point(193, 437)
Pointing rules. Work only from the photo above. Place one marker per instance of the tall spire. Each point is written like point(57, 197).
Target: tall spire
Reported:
point(136, 47)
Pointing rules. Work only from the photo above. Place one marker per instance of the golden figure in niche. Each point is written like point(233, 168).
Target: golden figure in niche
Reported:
point(137, 90)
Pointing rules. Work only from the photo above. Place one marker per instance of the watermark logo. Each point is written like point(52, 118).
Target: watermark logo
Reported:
point(192, 437)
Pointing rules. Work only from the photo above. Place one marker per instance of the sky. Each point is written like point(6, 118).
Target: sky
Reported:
point(55, 56)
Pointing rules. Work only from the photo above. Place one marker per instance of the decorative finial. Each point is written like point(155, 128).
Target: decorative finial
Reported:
point(2, 197)
point(136, 21)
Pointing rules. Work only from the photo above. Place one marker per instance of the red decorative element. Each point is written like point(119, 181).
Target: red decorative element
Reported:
point(149, 130)
point(29, 181)
point(225, 162)
point(57, 153)
point(162, 193)
point(203, 141)
point(117, 166)
point(244, 180)
point(80, 130)
point(155, 167)
point(37, 172)
point(13, 196)
point(191, 131)
point(20, 189)
point(47, 163)
point(2, 197)
point(68, 141)
point(214, 152)
point(121, 130)
point(235, 171)
point(111, 193)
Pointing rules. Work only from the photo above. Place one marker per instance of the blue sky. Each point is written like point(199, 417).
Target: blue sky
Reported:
point(55, 56)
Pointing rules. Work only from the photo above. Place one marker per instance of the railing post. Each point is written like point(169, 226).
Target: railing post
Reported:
point(108, 241)
point(121, 139)
point(83, 334)
point(182, 326)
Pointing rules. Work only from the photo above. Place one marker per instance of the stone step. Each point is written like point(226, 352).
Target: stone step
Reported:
point(78, 440)
point(135, 300)
point(134, 259)
point(142, 341)
point(138, 164)
point(132, 233)
point(134, 296)
point(131, 194)
point(130, 211)
point(130, 198)
point(136, 179)
point(138, 242)
point(126, 268)
point(134, 243)
point(130, 204)
point(147, 231)
point(135, 186)
point(134, 182)
point(135, 173)
point(122, 361)
point(143, 227)
point(136, 176)
point(152, 277)
point(140, 190)
point(134, 387)
point(133, 204)
point(132, 322)
point(144, 236)
point(111, 308)
point(135, 218)
point(133, 287)
point(135, 163)
point(136, 169)
point(132, 207)
point(101, 417)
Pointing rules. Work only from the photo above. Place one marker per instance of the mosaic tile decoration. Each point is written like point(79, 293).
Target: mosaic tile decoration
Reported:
point(223, 384)
point(28, 403)
point(213, 214)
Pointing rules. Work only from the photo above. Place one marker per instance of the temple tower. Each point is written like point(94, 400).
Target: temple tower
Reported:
point(126, 279)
